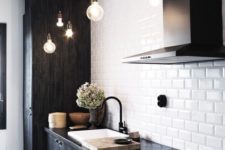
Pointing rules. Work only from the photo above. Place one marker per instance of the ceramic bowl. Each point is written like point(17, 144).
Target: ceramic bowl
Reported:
point(79, 118)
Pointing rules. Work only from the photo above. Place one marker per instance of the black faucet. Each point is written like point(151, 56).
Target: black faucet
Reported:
point(122, 127)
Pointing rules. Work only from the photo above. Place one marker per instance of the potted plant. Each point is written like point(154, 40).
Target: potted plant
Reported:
point(90, 96)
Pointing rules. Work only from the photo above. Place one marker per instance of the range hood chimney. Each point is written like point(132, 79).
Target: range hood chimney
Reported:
point(195, 26)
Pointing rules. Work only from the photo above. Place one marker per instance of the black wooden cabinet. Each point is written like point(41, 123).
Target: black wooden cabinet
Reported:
point(51, 80)
point(57, 143)
point(60, 141)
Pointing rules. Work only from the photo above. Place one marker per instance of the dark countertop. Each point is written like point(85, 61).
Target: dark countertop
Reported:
point(145, 144)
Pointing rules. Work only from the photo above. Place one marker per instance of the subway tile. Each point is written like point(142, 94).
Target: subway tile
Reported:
point(219, 63)
point(166, 83)
point(191, 65)
point(172, 93)
point(185, 135)
point(191, 126)
point(198, 116)
point(219, 84)
point(214, 73)
point(198, 94)
point(185, 94)
point(220, 131)
point(173, 132)
point(178, 123)
point(161, 130)
point(178, 83)
point(206, 128)
point(205, 84)
point(206, 64)
point(184, 73)
point(214, 118)
point(186, 115)
point(198, 138)
point(198, 73)
point(202, 147)
point(166, 121)
point(172, 73)
point(220, 107)
point(214, 142)
point(178, 104)
point(191, 83)
point(166, 140)
point(191, 105)
point(191, 146)
point(178, 144)
point(214, 95)
point(206, 106)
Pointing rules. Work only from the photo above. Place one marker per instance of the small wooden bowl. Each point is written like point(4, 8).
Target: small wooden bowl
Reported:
point(79, 118)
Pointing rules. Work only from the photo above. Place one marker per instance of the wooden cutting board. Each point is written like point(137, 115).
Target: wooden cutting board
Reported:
point(108, 144)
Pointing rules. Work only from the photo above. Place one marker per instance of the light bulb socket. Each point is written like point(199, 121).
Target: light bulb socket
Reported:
point(49, 36)
point(60, 14)
point(69, 25)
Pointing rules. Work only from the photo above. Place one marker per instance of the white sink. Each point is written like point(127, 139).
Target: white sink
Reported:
point(82, 136)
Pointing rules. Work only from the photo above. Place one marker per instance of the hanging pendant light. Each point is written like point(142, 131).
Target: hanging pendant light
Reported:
point(95, 12)
point(49, 47)
point(60, 22)
point(69, 30)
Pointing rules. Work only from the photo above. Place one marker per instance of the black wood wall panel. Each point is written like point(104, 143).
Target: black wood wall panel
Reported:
point(55, 77)
point(2, 76)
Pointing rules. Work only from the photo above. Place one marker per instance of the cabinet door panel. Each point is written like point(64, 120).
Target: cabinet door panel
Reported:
point(53, 143)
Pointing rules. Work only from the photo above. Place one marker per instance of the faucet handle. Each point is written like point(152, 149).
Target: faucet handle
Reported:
point(123, 128)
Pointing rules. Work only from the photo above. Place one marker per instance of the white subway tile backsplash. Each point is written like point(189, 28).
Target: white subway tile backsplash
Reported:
point(184, 73)
point(220, 107)
point(178, 144)
point(206, 106)
point(191, 146)
point(178, 104)
point(191, 126)
point(214, 118)
point(185, 94)
point(214, 142)
point(214, 95)
point(178, 83)
point(172, 132)
point(191, 105)
point(219, 84)
point(186, 115)
point(185, 135)
point(205, 84)
point(206, 64)
point(198, 116)
point(166, 140)
point(198, 138)
point(191, 83)
point(172, 93)
point(220, 131)
point(178, 123)
point(206, 128)
point(195, 115)
point(219, 63)
point(166, 121)
point(198, 94)
point(214, 72)
point(198, 73)
point(172, 73)
point(201, 147)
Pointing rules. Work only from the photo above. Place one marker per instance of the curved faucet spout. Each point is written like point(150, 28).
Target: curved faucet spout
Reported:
point(122, 128)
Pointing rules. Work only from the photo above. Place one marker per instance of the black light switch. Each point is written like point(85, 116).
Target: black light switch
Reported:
point(162, 101)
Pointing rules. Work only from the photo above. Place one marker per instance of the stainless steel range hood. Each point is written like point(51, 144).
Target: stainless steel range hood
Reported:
point(197, 24)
